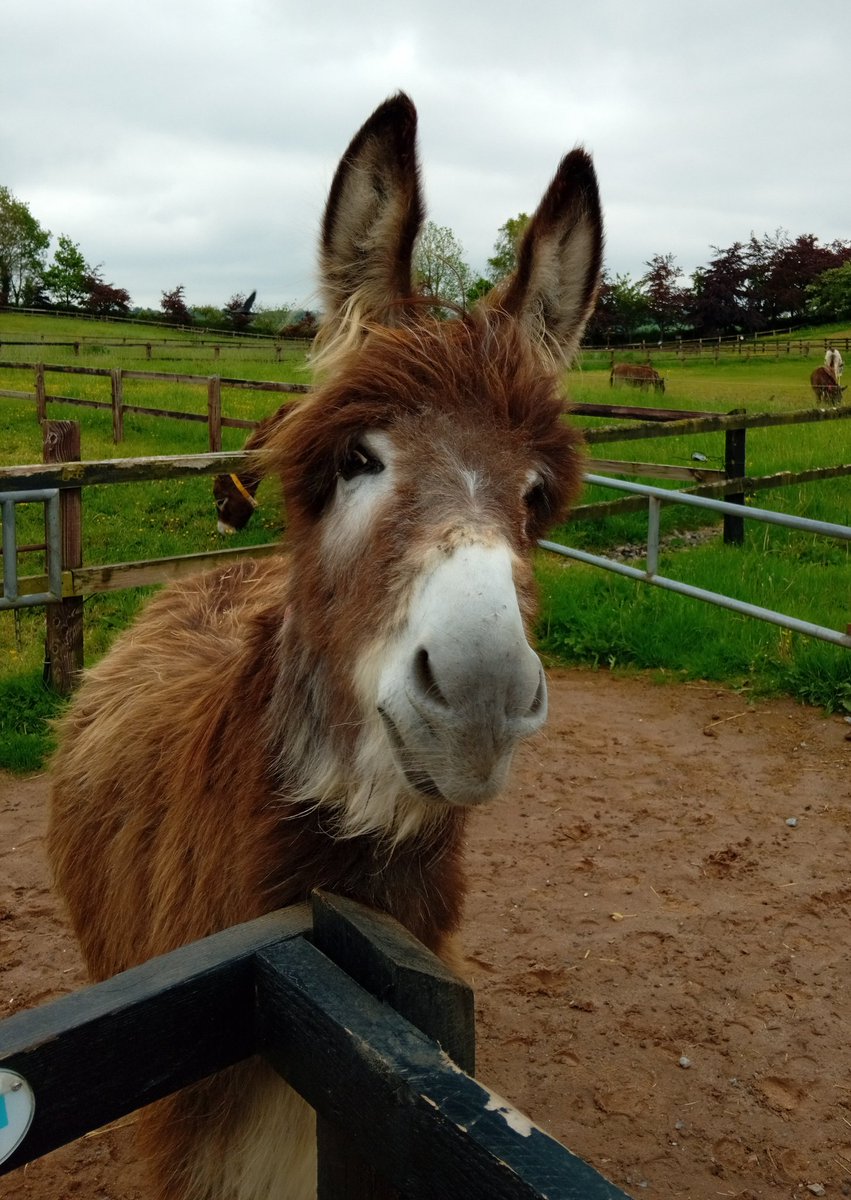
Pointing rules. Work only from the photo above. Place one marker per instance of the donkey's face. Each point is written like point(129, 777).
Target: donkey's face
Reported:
point(233, 496)
point(418, 478)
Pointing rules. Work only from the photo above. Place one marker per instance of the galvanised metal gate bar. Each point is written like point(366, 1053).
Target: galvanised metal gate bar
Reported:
point(655, 498)
point(49, 497)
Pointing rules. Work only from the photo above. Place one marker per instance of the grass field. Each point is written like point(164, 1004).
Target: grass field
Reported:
point(587, 615)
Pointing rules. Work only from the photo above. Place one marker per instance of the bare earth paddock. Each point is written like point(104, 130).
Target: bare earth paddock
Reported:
point(660, 957)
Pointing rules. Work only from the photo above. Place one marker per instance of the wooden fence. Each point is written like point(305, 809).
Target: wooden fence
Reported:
point(212, 417)
point(66, 638)
point(355, 1014)
point(764, 344)
point(243, 345)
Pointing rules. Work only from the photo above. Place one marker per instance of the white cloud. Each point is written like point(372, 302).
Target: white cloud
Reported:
point(194, 142)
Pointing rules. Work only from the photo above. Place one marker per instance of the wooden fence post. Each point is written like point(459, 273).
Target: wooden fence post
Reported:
point(214, 412)
point(389, 963)
point(63, 651)
point(40, 394)
point(734, 468)
point(117, 389)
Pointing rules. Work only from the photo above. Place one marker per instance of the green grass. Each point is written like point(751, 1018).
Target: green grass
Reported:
point(588, 616)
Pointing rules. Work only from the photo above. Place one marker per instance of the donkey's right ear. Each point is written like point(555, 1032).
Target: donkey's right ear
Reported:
point(554, 287)
point(372, 218)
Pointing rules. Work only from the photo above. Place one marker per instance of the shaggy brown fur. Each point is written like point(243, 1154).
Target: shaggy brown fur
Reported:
point(207, 767)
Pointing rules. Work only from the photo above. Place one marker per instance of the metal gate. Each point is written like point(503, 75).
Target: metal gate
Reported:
point(655, 498)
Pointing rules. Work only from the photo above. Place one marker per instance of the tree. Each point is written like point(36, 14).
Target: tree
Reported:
point(829, 295)
point(305, 324)
point(174, 306)
point(504, 258)
point(722, 293)
point(23, 247)
point(792, 266)
point(66, 276)
point(666, 302)
point(621, 308)
point(478, 288)
point(104, 300)
point(439, 266)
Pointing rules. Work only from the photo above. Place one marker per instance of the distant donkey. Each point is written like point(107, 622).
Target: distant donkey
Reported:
point(234, 494)
point(636, 375)
point(826, 386)
point(329, 718)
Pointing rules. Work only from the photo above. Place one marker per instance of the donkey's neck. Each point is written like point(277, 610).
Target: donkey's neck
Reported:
point(419, 881)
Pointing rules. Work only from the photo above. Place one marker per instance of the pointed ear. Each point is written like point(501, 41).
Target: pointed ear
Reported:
point(553, 290)
point(372, 218)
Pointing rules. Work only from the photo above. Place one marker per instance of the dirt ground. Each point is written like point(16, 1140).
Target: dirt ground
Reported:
point(658, 932)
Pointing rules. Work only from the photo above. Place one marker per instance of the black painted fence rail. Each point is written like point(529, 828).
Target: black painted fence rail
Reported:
point(373, 1030)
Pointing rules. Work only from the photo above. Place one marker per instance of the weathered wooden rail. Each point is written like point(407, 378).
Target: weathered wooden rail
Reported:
point(213, 417)
point(730, 344)
point(242, 343)
point(355, 1014)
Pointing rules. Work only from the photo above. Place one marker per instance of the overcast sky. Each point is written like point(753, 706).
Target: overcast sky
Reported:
point(193, 141)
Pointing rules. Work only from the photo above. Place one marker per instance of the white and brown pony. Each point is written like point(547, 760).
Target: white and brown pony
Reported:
point(330, 717)
point(833, 362)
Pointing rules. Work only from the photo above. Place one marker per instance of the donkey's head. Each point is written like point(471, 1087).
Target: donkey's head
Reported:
point(233, 496)
point(417, 480)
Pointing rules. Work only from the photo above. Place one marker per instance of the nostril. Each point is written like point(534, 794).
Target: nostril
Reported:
point(424, 677)
point(540, 697)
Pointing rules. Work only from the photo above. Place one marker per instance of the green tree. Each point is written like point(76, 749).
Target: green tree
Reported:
point(67, 277)
point(23, 247)
point(829, 295)
point(666, 301)
point(621, 309)
point(439, 266)
point(504, 258)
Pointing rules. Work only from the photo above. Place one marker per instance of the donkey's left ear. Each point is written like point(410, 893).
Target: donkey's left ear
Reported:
point(553, 290)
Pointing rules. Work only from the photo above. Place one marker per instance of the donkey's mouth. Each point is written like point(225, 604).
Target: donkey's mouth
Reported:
point(419, 780)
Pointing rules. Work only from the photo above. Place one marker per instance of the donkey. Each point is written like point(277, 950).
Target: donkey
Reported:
point(826, 386)
point(235, 495)
point(636, 375)
point(328, 718)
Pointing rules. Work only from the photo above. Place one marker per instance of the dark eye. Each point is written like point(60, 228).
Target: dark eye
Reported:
point(536, 498)
point(360, 461)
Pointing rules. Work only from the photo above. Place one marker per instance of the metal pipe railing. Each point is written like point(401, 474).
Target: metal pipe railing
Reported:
point(656, 497)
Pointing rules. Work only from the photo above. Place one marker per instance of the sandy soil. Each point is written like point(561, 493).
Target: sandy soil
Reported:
point(658, 933)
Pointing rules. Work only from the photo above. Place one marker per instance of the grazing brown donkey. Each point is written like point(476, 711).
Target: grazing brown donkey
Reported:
point(826, 386)
point(234, 495)
point(329, 718)
point(636, 375)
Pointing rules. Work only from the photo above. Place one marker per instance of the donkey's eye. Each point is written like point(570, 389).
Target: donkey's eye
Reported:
point(536, 496)
point(360, 461)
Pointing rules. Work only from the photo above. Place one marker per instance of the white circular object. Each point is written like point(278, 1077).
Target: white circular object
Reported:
point(17, 1105)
